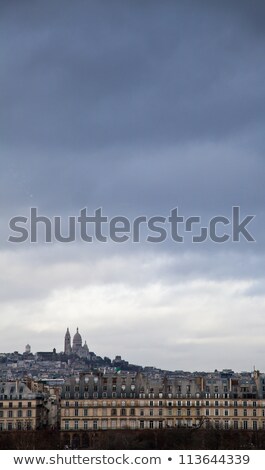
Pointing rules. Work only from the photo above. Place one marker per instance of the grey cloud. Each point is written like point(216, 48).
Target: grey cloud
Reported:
point(135, 106)
point(93, 75)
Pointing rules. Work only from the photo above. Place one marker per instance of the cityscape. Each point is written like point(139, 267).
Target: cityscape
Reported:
point(132, 224)
point(76, 392)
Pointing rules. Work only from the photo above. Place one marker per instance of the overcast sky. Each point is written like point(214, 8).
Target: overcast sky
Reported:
point(136, 107)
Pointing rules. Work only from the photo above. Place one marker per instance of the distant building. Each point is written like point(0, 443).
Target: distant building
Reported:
point(77, 347)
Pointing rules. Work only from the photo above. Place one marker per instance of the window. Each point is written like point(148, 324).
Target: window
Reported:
point(160, 412)
point(216, 412)
point(76, 411)
point(235, 412)
point(10, 413)
point(151, 412)
point(255, 425)
point(10, 404)
point(245, 413)
point(113, 412)
point(29, 404)
point(123, 412)
point(76, 424)
point(226, 424)
point(67, 403)
point(85, 425)
point(141, 412)
point(19, 426)
point(9, 426)
point(85, 412)
point(95, 424)
point(160, 424)
point(151, 424)
point(29, 413)
point(104, 424)
point(141, 424)
point(20, 404)
point(132, 411)
point(66, 425)
point(255, 412)
point(245, 424)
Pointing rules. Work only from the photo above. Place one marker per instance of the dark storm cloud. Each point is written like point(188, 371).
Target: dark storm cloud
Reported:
point(91, 74)
point(101, 98)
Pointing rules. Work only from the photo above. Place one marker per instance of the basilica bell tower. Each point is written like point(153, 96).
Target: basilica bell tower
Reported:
point(67, 343)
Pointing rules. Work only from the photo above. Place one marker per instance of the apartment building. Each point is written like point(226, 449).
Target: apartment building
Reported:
point(100, 401)
point(20, 408)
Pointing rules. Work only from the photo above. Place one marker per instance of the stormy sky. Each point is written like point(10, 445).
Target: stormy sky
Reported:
point(137, 107)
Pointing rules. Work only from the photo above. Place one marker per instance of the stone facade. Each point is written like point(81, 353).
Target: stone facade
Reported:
point(133, 401)
point(20, 408)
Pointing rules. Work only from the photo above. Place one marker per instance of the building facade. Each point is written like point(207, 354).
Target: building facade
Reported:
point(20, 408)
point(133, 401)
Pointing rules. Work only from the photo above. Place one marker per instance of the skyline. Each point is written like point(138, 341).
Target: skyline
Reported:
point(137, 108)
point(60, 350)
